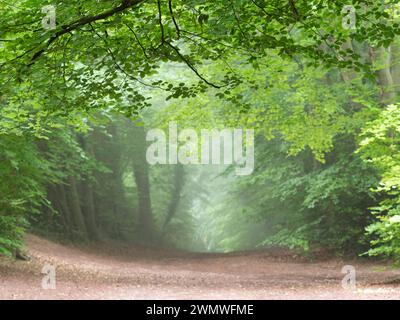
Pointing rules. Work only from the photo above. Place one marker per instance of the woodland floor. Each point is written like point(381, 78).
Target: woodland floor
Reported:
point(143, 273)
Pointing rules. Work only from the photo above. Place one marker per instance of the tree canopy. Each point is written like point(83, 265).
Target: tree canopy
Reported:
point(102, 51)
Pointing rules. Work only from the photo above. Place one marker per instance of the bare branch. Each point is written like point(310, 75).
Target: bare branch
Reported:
point(262, 9)
point(160, 22)
point(171, 11)
point(183, 58)
point(138, 40)
point(294, 9)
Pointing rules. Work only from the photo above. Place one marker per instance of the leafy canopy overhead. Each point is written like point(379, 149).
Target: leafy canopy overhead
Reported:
point(106, 52)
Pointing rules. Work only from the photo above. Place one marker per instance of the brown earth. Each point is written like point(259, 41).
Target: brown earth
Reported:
point(144, 273)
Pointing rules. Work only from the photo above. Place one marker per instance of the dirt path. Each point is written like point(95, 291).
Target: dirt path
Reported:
point(140, 273)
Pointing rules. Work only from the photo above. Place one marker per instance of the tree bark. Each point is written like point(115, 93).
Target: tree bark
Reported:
point(87, 198)
point(382, 57)
point(89, 210)
point(76, 211)
point(395, 67)
point(179, 180)
point(141, 173)
point(65, 211)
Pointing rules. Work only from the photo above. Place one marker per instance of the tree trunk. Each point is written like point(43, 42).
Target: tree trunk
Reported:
point(53, 197)
point(76, 211)
point(382, 57)
point(118, 190)
point(87, 198)
point(395, 67)
point(179, 180)
point(89, 210)
point(65, 211)
point(141, 173)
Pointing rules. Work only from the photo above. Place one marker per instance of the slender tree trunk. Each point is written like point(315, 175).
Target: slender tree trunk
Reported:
point(382, 57)
point(53, 197)
point(76, 211)
point(348, 75)
point(395, 67)
point(179, 181)
point(89, 210)
point(87, 198)
point(118, 190)
point(141, 173)
point(65, 211)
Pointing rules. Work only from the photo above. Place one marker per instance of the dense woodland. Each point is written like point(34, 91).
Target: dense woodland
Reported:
point(77, 100)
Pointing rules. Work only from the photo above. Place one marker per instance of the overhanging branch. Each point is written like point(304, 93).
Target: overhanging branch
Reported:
point(187, 62)
point(126, 4)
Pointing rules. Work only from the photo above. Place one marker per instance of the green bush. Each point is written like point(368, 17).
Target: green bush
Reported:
point(381, 147)
point(23, 173)
point(11, 234)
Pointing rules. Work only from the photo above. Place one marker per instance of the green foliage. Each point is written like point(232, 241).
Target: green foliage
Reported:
point(23, 172)
point(108, 52)
point(11, 230)
point(298, 202)
point(381, 147)
point(292, 239)
point(305, 106)
point(308, 189)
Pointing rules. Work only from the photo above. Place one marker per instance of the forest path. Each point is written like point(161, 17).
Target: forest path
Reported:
point(142, 273)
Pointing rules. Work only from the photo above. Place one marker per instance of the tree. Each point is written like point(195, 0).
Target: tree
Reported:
point(142, 179)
